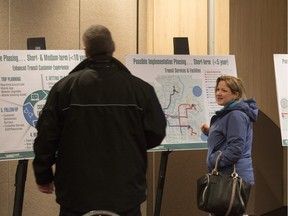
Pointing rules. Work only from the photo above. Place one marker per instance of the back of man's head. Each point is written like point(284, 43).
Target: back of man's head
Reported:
point(97, 40)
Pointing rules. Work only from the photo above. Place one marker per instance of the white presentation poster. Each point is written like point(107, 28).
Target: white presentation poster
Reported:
point(185, 86)
point(26, 76)
point(281, 76)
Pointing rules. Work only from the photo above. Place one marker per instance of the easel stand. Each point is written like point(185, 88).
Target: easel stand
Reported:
point(181, 46)
point(161, 181)
point(20, 179)
point(21, 172)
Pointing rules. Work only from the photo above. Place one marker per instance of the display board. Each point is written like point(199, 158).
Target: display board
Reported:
point(185, 86)
point(26, 76)
point(281, 77)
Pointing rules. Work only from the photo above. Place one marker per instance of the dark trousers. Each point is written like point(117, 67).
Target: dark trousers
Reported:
point(67, 212)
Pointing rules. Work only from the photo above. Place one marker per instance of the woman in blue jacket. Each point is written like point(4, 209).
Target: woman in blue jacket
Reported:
point(230, 130)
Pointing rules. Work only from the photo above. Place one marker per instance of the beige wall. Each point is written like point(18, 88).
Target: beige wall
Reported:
point(186, 18)
point(62, 23)
point(4, 24)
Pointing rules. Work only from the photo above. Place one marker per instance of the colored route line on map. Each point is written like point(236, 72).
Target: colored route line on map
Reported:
point(170, 98)
point(188, 107)
point(179, 116)
point(284, 114)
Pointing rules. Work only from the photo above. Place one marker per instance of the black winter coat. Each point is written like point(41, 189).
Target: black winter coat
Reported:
point(96, 126)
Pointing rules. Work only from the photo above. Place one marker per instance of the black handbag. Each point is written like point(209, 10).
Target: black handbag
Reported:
point(222, 194)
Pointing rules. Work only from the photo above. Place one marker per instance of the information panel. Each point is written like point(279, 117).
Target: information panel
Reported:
point(26, 77)
point(281, 76)
point(185, 87)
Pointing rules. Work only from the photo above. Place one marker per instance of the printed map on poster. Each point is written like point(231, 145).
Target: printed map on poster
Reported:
point(26, 77)
point(281, 75)
point(185, 87)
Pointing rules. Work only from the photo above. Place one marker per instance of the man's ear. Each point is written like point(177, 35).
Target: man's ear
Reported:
point(86, 52)
point(113, 49)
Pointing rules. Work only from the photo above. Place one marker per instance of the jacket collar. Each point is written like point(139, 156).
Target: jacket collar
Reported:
point(98, 60)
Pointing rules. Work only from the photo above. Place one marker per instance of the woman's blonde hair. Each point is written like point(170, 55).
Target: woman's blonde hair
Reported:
point(235, 84)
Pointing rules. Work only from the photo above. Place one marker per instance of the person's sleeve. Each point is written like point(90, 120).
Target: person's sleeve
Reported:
point(154, 121)
point(235, 138)
point(45, 144)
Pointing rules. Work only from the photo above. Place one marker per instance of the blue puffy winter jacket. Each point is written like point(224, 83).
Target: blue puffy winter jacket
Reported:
point(231, 133)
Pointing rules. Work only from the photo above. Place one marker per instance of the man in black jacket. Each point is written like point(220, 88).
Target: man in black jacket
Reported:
point(96, 127)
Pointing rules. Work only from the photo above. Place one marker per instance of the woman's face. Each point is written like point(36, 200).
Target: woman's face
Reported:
point(224, 94)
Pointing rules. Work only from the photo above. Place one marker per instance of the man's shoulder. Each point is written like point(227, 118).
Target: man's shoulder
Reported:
point(141, 83)
point(62, 82)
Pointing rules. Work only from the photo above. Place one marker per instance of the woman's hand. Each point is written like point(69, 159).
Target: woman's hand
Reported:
point(205, 129)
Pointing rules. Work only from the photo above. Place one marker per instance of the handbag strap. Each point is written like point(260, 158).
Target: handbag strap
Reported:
point(233, 193)
point(234, 173)
point(215, 170)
